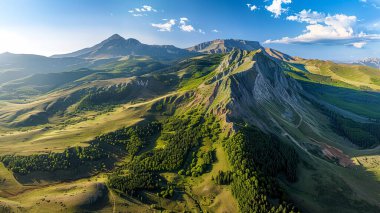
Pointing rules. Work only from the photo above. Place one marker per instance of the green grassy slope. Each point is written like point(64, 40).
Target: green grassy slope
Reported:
point(350, 87)
point(235, 133)
point(359, 76)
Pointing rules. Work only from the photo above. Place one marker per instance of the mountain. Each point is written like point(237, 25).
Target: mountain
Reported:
point(13, 66)
point(225, 46)
point(371, 62)
point(116, 47)
point(113, 49)
point(244, 131)
point(40, 83)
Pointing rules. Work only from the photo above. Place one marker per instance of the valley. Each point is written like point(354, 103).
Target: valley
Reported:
point(224, 126)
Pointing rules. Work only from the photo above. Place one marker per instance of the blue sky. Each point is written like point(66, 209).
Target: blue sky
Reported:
point(326, 29)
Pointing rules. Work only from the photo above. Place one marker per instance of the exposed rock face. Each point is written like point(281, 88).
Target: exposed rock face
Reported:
point(225, 46)
point(279, 55)
point(250, 87)
point(372, 62)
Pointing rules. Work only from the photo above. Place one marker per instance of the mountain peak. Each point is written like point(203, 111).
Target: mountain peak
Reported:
point(6, 53)
point(116, 46)
point(132, 41)
point(225, 46)
point(115, 37)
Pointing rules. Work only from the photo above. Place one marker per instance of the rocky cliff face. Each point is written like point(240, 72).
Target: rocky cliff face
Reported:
point(225, 46)
point(372, 62)
point(250, 87)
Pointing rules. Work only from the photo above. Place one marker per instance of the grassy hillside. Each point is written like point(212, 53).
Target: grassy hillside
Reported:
point(213, 133)
point(356, 76)
point(360, 102)
point(353, 88)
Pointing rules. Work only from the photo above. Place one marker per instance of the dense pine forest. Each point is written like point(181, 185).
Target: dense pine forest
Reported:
point(257, 158)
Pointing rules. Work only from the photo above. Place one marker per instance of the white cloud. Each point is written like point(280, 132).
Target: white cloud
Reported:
point(184, 26)
point(147, 8)
point(359, 44)
point(166, 26)
point(142, 11)
point(276, 7)
point(321, 28)
point(215, 31)
point(308, 16)
point(252, 7)
point(365, 36)
point(183, 20)
point(373, 3)
point(334, 27)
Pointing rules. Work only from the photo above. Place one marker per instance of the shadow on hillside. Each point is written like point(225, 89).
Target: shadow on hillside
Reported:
point(362, 103)
point(299, 66)
point(83, 171)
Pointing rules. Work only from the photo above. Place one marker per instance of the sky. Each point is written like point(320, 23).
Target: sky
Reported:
point(342, 30)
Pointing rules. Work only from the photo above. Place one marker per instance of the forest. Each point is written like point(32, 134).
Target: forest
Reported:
point(257, 159)
point(129, 139)
point(187, 134)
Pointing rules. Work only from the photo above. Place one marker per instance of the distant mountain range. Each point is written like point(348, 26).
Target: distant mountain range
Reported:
point(14, 66)
point(372, 62)
point(114, 48)
point(117, 46)
point(225, 46)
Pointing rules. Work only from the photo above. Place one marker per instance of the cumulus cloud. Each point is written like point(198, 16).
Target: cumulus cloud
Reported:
point(142, 11)
point(166, 26)
point(359, 44)
point(308, 16)
point(323, 28)
point(215, 31)
point(147, 8)
point(184, 26)
point(277, 7)
point(252, 7)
